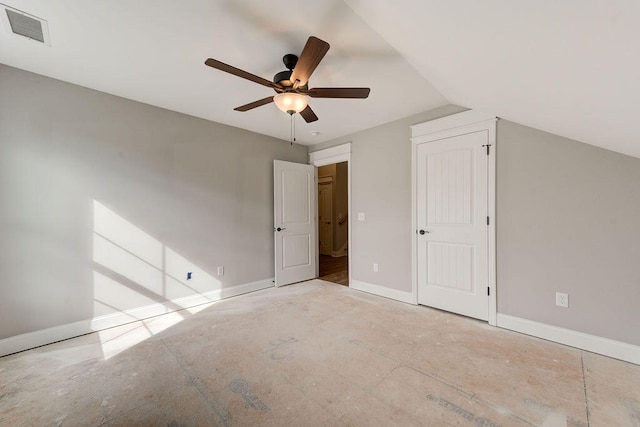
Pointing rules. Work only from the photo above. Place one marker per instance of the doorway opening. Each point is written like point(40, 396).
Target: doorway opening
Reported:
point(333, 224)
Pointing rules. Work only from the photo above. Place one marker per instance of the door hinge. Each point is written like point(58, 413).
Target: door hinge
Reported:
point(487, 145)
point(488, 291)
point(487, 220)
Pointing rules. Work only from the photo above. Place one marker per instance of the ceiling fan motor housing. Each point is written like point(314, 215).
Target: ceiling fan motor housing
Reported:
point(291, 96)
point(283, 78)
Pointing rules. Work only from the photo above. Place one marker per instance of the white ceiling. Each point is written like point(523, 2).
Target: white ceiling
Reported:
point(153, 51)
point(569, 67)
point(566, 67)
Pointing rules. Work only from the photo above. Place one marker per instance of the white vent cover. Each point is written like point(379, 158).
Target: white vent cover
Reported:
point(24, 24)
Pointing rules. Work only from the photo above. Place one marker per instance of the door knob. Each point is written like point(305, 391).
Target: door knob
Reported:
point(279, 229)
point(422, 232)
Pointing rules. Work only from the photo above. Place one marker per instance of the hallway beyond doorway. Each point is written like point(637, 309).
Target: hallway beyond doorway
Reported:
point(334, 269)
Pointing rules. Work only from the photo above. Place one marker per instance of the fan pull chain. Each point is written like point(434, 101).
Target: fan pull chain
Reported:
point(293, 129)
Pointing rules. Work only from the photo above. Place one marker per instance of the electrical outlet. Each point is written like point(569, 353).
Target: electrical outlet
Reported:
point(189, 275)
point(220, 271)
point(562, 299)
point(375, 267)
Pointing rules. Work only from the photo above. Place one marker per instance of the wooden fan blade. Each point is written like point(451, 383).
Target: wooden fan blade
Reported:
point(311, 55)
point(240, 73)
point(308, 115)
point(339, 92)
point(254, 104)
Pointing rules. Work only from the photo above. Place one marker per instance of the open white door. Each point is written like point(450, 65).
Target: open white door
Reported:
point(294, 222)
point(452, 222)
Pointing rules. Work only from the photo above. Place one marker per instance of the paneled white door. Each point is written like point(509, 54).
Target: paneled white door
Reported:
point(451, 211)
point(294, 222)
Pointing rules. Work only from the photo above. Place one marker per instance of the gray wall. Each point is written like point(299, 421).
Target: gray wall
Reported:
point(568, 213)
point(381, 188)
point(193, 193)
point(568, 221)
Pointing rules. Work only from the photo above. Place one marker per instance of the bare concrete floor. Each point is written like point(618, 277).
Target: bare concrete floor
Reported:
point(315, 354)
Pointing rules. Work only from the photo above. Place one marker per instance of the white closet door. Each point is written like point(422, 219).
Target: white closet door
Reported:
point(452, 240)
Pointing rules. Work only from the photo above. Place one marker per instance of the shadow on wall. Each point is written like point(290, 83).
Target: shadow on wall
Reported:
point(136, 276)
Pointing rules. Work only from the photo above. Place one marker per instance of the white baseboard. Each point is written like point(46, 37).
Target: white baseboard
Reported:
point(43, 336)
point(382, 291)
point(57, 333)
point(607, 347)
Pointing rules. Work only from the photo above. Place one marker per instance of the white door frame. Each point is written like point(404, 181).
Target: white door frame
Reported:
point(453, 125)
point(329, 156)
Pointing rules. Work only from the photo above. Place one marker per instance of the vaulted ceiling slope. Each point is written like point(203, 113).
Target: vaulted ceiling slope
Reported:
point(568, 67)
point(153, 51)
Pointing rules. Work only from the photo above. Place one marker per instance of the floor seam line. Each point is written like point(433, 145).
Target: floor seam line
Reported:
point(221, 416)
point(584, 384)
point(469, 395)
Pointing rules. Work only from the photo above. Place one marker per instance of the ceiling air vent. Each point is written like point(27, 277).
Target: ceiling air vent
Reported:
point(26, 25)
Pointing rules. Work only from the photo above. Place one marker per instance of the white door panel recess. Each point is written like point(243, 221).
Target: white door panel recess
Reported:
point(294, 222)
point(453, 208)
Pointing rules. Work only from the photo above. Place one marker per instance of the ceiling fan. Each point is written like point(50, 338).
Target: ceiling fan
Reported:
point(292, 85)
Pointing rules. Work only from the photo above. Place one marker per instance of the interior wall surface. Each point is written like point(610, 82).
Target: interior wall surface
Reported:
point(568, 220)
point(106, 204)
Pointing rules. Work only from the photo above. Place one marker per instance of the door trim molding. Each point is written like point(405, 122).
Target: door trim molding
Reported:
point(446, 127)
point(329, 156)
point(449, 123)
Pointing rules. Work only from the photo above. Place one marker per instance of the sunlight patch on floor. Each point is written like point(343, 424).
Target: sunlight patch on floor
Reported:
point(136, 276)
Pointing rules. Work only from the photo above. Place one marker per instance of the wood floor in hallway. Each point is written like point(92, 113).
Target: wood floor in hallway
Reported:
point(314, 354)
point(334, 269)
